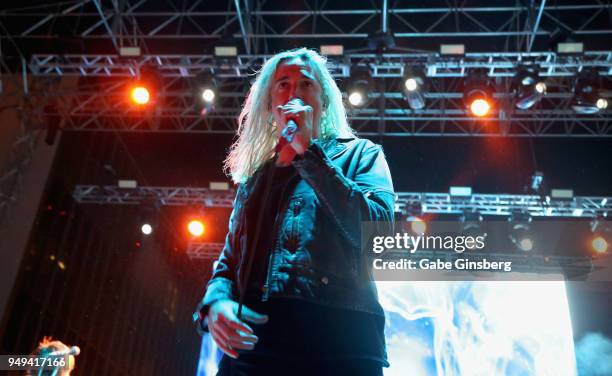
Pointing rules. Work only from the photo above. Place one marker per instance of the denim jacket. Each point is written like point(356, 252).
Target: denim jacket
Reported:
point(340, 184)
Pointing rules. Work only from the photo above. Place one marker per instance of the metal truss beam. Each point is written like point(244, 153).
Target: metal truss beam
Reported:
point(504, 205)
point(407, 202)
point(105, 108)
point(204, 251)
point(549, 64)
point(173, 196)
point(165, 21)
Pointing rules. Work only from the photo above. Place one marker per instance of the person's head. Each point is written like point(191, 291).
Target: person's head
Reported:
point(299, 73)
point(48, 346)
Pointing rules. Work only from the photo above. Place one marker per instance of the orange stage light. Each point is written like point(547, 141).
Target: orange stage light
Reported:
point(140, 95)
point(480, 107)
point(196, 227)
point(599, 244)
point(417, 225)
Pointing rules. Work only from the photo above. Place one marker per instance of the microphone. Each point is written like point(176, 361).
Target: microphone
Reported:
point(74, 350)
point(288, 133)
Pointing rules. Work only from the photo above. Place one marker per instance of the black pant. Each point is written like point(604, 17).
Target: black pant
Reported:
point(252, 364)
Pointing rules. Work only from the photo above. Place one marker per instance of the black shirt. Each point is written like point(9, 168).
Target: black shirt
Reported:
point(298, 329)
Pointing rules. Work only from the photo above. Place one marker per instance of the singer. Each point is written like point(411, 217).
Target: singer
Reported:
point(290, 293)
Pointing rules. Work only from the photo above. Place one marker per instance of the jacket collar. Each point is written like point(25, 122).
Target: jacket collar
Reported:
point(335, 146)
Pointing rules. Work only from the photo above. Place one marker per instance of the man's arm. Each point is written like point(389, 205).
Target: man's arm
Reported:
point(369, 197)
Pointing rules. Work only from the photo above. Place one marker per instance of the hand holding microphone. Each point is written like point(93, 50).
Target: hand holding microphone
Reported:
point(74, 351)
point(298, 125)
point(291, 128)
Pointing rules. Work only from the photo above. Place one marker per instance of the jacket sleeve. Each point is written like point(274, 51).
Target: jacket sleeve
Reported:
point(369, 197)
point(222, 284)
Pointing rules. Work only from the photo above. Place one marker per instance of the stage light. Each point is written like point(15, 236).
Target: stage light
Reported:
point(146, 85)
point(570, 48)
point(146, 229)
point(478, 94)
point(355, 98)
point(599, 244)
point(521, 237)
point(460, 191)
point(587, 97)
point(537, 180)
point(452, 49)
point(411, 84)
point(129, 51)
point(380, 41)
point(226, 51)
point(208, 95)
point(147, 219)
point(196, 228)
point(140, 95)
point(526, 244)
point(205, 88)
point(414, 80)
point(480, 107)
point(562, 194)
point(358, 88)
point(471, 225)
point(417, 225)
point(520, 231)
point(332, 50)
point(528, 88)
point(218, 186)
point(471, 220)
point(602, 103)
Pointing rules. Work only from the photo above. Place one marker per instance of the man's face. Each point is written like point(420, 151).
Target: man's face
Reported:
point(295, 79)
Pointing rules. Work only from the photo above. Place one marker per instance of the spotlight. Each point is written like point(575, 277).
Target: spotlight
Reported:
point(480, 107)
point(146, 86)
point(478, 95)
point(195, 227)
point(355, 98)
point(520, 232)
point(521, 237)
point(472, 225)
point(146, 229)
point(140, 95)
point(526, 244)
point(602, 103)
point(414, 81)
point(528, 88)
point(205, 87)
point(358, 88)
point(537, 179)
point(380, 41)
point(587, 98)
point(411, 84)
point(417, 225)
point(471, 222)
point(599, 244)
point(208, 95)
point(148, 219)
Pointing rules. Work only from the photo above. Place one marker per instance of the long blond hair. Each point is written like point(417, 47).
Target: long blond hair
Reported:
point(257, 134)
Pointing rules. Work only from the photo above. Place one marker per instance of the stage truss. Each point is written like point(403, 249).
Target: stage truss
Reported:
point(407, 203)
point(83, 39)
